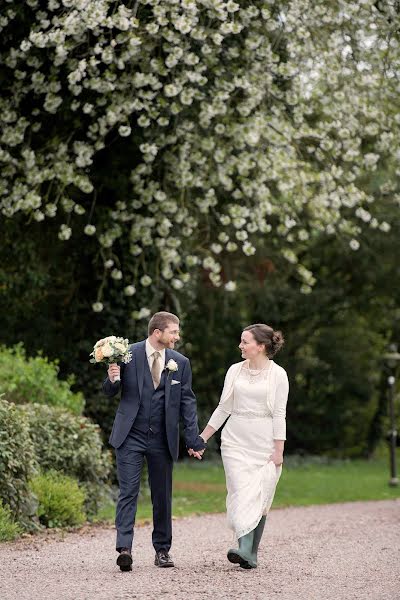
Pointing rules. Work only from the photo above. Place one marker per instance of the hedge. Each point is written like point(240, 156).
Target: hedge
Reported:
point(25, 380)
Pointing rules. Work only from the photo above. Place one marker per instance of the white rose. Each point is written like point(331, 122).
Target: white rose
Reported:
point(107, 350)
point(172, 365)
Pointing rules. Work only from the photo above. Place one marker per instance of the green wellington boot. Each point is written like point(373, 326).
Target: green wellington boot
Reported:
point(243, 555)
point(256, 541)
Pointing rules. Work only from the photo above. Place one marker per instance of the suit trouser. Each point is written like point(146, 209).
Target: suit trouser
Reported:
point(130, 457)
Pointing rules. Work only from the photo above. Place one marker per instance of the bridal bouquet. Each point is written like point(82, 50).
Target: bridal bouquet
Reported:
point(110, 350)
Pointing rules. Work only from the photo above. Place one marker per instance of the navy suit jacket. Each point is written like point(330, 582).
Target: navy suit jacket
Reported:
point(180, 401)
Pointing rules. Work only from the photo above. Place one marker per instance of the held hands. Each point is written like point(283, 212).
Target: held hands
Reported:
point(196, 453)
point(113, 372)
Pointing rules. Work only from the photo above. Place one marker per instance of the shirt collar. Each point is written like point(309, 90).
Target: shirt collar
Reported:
point(150, 350)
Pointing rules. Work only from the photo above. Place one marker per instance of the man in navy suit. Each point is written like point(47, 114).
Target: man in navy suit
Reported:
point(156, 392)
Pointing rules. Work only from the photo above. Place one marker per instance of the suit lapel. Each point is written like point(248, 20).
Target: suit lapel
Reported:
point(140, 358)
point(168, 378)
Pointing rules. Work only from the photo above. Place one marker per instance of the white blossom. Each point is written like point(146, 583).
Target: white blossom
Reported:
point(143, 313)
point(216, 248)
point(248, 249)
point(129, 290)
point(230, 286)
point(116, 274)
point(97, 306)
point(231, 246)
point(177, 283)
point(65, 232)
point(238, 144)
point(124, 130)
point(90, 229)
point(146, 280)
point(354, 244)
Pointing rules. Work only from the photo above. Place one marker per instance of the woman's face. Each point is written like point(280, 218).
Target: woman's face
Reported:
point(249, 347)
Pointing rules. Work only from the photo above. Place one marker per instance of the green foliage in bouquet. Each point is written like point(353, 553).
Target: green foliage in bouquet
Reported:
point(17, 461)
point(70, 444)
point(61, 500)
point(35, 379)
point(9, 529)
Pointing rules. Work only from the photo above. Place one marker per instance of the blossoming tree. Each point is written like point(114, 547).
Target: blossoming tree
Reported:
point(250, 121)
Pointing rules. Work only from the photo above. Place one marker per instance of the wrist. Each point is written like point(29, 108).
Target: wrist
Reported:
point(279, 447)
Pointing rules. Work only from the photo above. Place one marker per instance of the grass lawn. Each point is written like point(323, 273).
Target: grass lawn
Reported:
point(200, 487)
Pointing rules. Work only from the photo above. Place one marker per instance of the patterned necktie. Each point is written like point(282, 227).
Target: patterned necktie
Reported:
point(156, 369)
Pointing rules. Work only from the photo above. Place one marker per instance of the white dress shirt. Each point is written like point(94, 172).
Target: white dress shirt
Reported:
point(150, 358)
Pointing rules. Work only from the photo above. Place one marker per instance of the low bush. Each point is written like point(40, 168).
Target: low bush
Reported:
point(17, 463)
point(35, 380)
point(60, 500)
point(9, 529)
point(72, 445)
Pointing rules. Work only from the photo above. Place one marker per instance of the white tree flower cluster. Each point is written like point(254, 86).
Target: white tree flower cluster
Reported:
point(254, 121)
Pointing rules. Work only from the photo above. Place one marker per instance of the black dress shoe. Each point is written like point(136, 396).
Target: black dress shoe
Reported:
point(163, 559)
point(124, 560)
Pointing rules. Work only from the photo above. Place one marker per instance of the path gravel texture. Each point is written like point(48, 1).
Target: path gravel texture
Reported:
point(333, 552)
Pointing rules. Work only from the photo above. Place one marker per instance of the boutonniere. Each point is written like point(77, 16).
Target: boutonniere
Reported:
point(171, 366)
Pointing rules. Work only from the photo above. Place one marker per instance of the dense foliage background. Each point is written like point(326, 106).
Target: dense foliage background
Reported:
point(230, 162)
point(335, 337)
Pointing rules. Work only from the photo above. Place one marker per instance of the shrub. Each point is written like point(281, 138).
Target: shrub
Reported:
point(72, 445)
point(26, 380)
point(60, 499)
point(17, 461)
point(9, 530)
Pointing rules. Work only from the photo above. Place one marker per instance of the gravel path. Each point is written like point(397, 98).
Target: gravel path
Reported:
point(333, 552)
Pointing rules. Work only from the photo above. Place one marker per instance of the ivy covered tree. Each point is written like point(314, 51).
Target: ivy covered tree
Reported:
point(179, 133)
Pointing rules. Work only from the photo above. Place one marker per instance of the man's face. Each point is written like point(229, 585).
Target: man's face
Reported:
point(169, 336)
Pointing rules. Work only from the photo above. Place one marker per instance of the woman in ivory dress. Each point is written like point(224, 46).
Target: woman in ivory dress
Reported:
point(254, 398)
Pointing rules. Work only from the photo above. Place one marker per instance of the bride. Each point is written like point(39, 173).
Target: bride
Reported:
point(254, 398)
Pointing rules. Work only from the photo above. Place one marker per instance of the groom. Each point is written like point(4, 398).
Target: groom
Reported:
point(156, 390)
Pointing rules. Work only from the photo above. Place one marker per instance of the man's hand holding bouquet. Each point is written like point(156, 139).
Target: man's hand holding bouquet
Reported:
point(111, 350)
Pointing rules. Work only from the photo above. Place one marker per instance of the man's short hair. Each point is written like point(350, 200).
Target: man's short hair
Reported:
point(160, 321)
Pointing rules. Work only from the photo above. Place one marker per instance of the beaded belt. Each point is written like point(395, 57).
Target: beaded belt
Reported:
point(250, 413)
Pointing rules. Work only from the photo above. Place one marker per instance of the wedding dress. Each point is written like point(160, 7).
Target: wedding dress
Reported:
point(256, 405)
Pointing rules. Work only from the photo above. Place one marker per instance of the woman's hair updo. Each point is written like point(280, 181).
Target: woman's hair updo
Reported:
point(264, 334)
